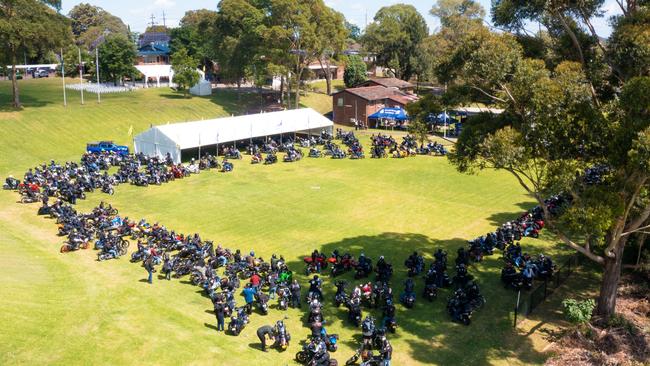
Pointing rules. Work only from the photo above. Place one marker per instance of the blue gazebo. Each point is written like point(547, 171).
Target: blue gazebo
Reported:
point(389, 116)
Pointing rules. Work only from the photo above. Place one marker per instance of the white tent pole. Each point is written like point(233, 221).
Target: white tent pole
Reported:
point(199, 146)
point(251, 134)
point(217, 144)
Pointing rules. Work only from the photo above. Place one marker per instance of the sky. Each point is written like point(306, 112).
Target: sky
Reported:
point(137, 13)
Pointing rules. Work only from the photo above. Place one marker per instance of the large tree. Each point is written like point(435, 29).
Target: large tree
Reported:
point(394, 37)
point(235, 38)
point(192, 34)
point(117, 57)
point(90, 23)
point(27, 26)
point(588, 108)
point(331, 41)
point(355, 71)
point(184, 66)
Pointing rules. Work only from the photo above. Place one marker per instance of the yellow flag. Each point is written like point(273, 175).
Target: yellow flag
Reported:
point(131, 130)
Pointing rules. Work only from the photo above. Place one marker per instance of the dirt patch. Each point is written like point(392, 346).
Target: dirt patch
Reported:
point(624, 341)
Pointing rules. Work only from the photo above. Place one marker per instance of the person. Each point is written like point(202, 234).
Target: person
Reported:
point(255, 280)
point(315, 287)
point(219, 311)
point(295, 294)
point(148, 265)
point(386, 351)
point(262, 333)
point(249, 295)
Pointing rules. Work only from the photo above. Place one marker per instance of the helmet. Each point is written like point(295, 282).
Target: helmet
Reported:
point(252, 253)
point(381, 257)
point(315, 277)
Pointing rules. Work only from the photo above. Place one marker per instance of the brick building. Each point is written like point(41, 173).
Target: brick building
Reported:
point(356, 104)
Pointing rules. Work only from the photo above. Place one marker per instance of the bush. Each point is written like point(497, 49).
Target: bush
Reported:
point(578, 312)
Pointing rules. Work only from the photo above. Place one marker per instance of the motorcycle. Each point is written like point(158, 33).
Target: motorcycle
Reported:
point(238, 322)
point(430, 292)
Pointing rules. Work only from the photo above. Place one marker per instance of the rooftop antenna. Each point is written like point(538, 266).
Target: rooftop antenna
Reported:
point(152, 20)
point(164, 20)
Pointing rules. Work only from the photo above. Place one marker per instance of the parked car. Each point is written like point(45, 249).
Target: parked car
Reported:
point(42, 73)
point(97, 147)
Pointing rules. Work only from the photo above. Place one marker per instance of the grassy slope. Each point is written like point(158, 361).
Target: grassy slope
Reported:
point(69, 309)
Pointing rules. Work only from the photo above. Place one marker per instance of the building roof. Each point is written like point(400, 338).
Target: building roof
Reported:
point(154, 49)
point(378, 92)
point(153, 37)
point(390, 83)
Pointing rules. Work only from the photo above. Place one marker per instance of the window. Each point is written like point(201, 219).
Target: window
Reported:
point(339, 102)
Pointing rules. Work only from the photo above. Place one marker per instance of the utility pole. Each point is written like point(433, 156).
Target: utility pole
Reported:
point(152, 20)
point(164, 20)
point(65, 99)
point(99, 98)
point(81, 77)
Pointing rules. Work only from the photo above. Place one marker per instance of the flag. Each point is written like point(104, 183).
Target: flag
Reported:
point(131, 130)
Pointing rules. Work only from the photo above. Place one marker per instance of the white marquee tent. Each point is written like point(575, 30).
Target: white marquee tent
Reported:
point(174, 138)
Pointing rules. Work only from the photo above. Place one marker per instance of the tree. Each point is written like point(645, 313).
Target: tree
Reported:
point(450, 12)
point(420, 129)
point(71, 60)
point(28, 26)
point(185, 74)
point(117, 56)
point(560, 122)
point(395, 36)
point(355, 71)
point(235, 37)
point(331, 40)
point(192, 34)
point(354, 32)
point(90, 23)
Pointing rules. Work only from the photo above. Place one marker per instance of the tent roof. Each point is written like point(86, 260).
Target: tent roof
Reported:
point(209, 132)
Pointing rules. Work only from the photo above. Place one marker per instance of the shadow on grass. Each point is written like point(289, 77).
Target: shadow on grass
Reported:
point(427, 329)
point(499, 219)
point(27, 101)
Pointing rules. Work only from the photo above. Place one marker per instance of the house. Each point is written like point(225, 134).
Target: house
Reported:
point(356, 104)
point(401, 85)
point(153, 48)
point(318, 71)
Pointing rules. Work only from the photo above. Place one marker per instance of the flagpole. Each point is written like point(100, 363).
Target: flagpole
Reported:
point(81, 79)
point(99, 98)
point(65, 99)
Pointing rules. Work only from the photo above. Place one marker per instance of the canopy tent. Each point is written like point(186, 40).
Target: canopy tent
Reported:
point(390, 113)
point(159, 71)
point(202, 88)
point(174, 138)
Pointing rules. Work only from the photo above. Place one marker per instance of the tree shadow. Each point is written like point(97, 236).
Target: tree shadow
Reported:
point(426, 328)
point(27, 101)
point(500, 218)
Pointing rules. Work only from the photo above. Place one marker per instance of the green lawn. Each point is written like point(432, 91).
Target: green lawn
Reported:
point(70, 309)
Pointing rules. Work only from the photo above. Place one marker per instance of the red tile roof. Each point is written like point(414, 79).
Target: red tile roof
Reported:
point(391, 82)
point(377, 92)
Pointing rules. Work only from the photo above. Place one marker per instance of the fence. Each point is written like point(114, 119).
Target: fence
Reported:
point(527, 301)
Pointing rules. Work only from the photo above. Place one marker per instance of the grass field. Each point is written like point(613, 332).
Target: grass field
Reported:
point(70, 309)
